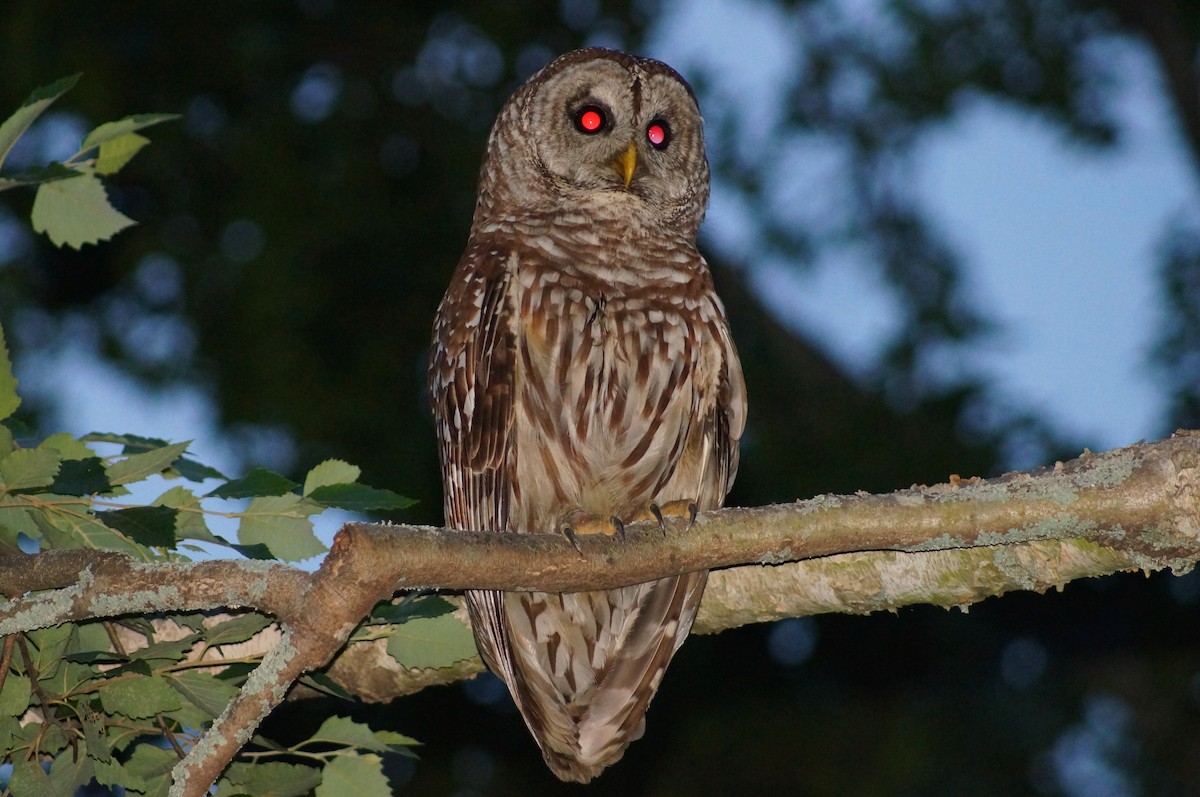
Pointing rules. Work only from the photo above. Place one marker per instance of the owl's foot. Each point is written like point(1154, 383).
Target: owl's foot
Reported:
point(671, 509)
point(577, 522)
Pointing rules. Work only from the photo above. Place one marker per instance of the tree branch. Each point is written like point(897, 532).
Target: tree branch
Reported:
point(950, 544)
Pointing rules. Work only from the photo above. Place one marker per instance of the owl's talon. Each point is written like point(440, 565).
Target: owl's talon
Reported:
point(572, 538)
point(619, 525)
point(656, 510)
point(578, 522)
point(674, 509)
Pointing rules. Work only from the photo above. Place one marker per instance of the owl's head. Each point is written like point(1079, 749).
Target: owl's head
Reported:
point(598, 129)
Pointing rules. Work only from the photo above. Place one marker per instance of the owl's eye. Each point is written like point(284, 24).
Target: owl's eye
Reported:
point(658, 133)
point(591, 119)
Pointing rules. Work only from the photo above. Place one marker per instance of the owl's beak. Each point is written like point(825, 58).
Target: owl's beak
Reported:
point(626, 162)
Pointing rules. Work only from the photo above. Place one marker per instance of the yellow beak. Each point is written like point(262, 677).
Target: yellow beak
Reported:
point(626, 162)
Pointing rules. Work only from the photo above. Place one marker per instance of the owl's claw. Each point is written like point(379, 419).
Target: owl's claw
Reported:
point(577, 522)
point(656, 510)
point(672, 509)
point(569, 533)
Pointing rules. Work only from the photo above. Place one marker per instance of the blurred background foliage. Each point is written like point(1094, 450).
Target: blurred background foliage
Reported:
point(298, 227)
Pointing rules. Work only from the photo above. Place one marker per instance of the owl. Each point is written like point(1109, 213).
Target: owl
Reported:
point(582, 374)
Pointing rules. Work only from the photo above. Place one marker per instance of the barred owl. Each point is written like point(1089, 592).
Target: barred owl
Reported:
point(582, 367)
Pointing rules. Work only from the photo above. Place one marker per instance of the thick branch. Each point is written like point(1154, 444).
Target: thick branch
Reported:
point(1139, 500)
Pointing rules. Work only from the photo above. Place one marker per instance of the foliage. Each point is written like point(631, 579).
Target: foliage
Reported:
point(118, 702)
point(71, 207)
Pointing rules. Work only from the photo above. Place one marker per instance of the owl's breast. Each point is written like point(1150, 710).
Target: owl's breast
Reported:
point(607, 391)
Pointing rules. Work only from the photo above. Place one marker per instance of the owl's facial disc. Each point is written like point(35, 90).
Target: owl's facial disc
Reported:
point(606, 131)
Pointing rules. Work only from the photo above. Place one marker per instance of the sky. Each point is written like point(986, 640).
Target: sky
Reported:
point(1059, 243)
point(1059, 240)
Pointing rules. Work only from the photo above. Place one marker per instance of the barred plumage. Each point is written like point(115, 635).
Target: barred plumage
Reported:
point(582, 362)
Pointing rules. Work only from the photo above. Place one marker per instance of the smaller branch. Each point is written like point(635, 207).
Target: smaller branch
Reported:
point(345, 588)
point(166, 731)
point(114, 638)
point(31, 672)
point(83, 585)
point(10, 643)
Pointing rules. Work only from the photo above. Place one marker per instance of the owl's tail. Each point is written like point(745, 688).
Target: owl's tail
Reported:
point(583, 667)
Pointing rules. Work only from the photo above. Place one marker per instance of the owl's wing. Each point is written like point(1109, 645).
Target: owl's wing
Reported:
point(471, 373)
point(471, 387)
point(730, 414)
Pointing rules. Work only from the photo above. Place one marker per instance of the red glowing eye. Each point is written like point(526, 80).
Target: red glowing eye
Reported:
point(590, 119)
point(658, 133)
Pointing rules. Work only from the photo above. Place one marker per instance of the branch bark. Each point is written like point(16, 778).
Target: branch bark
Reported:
point(951, 545)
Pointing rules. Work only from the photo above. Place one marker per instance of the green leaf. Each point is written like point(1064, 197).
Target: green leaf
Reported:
point(90, 636)
point(109, 772)
point(28, 779)
point(320, 682)
point(11, 733)
point(87, 657)
point(258, 481)
point(9, 400)
point(331, 471)
point(67, 447)
point(360, 775)
point(140, 696)
point(93, 734)
point(193, 621)
point(348, 733)
point(167, 651)
point(133, 443)
point(15, 521)
point(358, 497)
point(256, 551)
point(51, 645)
point(71, 770)
point(28, 468)
point(397, 741)
point(117, 152)
point(41, 98)
point(136, 444)
point(35, 175)
point(238, 629)
point(430, 643)
point(195, 471)
point(407, 609)
point(136, 467)
point(138, 667)
point(269, 779)
point(68, 676)
point(53, 739)
point(72, 526)
point(111, 131)
point(14, 697)
point(203, 690)
point(81, 477)
point(76, 211)
point(189, 522)
point(152, 767)
point(281, 523)
point(146, 525)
